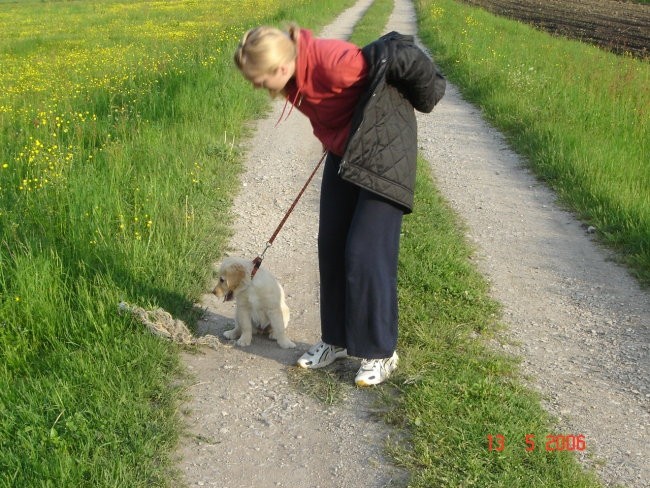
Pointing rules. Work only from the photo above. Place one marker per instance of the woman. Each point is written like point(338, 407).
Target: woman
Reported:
point(360, 104)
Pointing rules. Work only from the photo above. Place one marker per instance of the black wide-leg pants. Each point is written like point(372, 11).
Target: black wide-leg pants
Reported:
point(358, 247)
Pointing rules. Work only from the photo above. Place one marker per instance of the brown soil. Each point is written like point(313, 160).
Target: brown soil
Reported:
point(622, 27)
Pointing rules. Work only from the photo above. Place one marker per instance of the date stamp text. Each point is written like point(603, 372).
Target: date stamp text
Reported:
point(551, 443)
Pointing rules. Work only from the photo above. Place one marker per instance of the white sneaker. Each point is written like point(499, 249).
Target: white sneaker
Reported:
point(375, 371)
point(321, 355)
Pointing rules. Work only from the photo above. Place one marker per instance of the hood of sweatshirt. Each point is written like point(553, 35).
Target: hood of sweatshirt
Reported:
point(329, 78)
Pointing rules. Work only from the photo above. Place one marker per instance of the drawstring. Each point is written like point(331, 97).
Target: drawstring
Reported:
point(293, 104)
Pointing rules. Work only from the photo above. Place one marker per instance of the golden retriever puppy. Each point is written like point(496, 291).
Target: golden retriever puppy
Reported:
point(259, 301)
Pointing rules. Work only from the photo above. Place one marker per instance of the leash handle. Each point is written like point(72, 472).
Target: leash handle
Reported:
point(257, 262)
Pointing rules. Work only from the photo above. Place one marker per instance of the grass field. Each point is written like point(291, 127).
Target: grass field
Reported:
point(579, 115)
point(119, 123)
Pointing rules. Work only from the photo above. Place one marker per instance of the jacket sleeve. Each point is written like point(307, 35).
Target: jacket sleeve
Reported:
point(414, 74)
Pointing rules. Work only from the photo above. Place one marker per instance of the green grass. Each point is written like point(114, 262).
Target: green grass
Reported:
point(578, 114)
point(118, 123)
point(118, 153)
point(455, 390)
point(367, 29)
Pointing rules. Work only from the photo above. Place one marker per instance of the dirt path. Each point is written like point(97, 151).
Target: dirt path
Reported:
point(582, 322)
point(249, 426)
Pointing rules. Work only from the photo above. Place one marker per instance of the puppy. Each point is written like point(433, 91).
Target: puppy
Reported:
point(259, 301)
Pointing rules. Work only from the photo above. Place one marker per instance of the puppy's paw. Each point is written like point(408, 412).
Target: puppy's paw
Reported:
point(244, 341)
point(285, 343)
point(231, 334)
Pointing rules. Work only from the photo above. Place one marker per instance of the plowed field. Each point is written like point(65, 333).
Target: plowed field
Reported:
point(614, 25)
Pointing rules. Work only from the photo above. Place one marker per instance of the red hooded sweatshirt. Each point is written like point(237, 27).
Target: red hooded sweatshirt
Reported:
point(330, 76)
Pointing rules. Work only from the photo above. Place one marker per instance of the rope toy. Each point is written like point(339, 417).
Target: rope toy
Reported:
point(161, 323)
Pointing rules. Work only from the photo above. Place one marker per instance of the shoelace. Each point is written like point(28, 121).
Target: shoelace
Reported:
point(369, 364)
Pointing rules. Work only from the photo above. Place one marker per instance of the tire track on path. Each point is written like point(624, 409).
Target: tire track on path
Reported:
point(580, 322)
point(248, 426)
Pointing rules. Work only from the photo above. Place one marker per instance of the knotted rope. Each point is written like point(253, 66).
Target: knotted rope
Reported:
point(161, 323)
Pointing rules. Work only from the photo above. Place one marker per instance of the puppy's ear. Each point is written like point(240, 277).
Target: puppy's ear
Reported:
point(235, 275)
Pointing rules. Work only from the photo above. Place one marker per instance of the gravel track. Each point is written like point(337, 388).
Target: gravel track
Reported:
point(579, 321)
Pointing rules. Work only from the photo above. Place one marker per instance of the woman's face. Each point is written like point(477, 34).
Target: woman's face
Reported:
point(276, 81)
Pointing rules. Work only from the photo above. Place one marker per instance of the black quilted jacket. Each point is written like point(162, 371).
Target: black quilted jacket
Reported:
point(381, 151)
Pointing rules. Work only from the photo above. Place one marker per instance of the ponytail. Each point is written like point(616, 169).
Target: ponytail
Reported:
point(263, 49)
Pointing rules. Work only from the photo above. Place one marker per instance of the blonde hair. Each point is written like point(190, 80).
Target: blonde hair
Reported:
point(263, 49)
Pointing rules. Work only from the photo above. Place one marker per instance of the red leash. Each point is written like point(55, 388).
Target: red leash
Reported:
point(257, 262)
